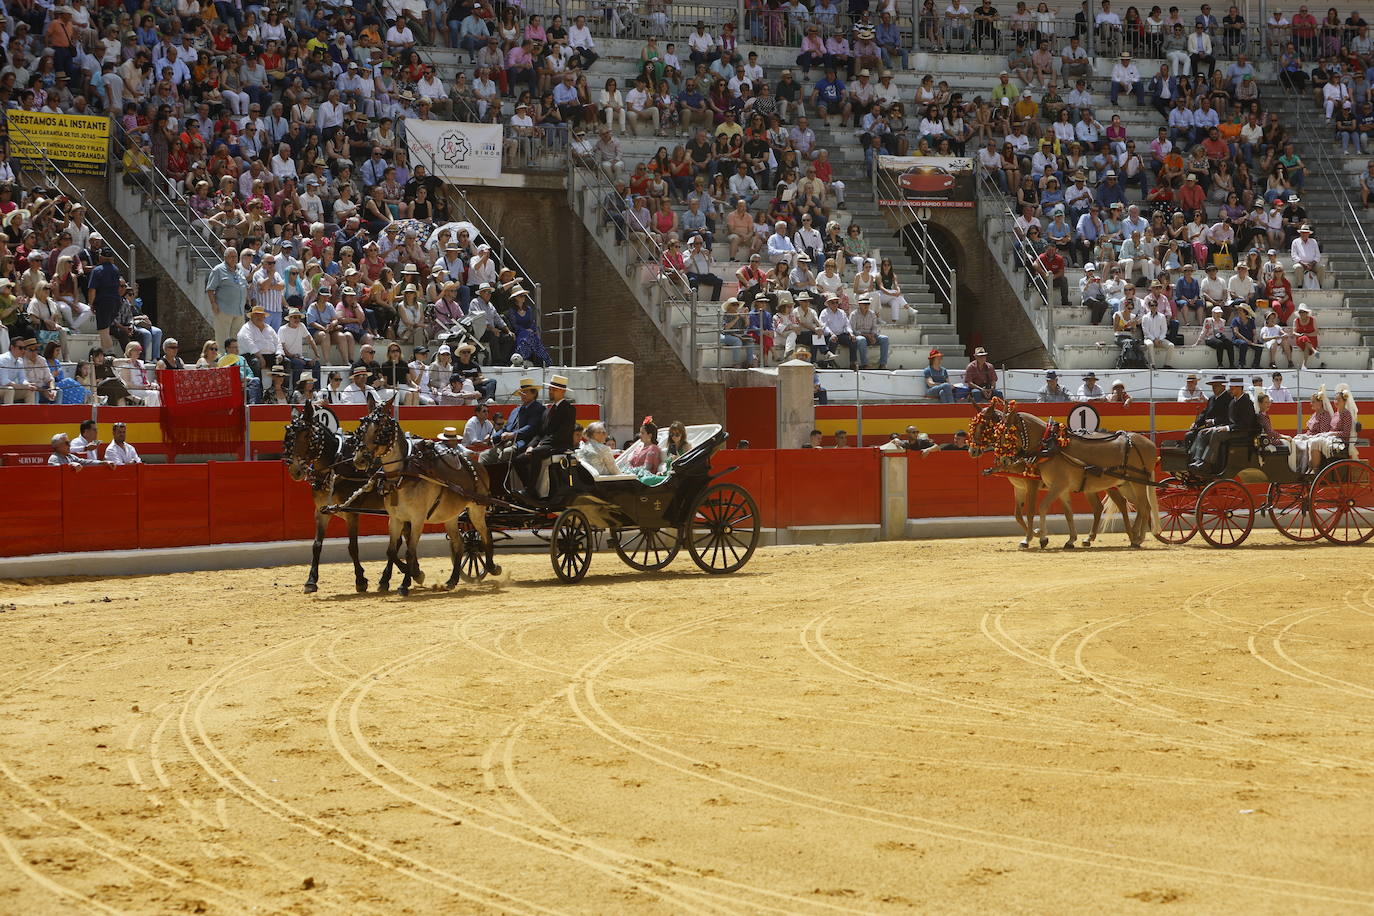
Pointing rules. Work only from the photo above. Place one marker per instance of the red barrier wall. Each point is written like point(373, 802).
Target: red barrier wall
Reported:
point(753, 415)
point(31, 517)
point(828, 487)
point(174, 505)
point(756, 471)
point(99, 508)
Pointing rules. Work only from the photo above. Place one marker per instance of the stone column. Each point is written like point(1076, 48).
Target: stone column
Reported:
point(616, 379)
point(893, 463)
point(796, 403)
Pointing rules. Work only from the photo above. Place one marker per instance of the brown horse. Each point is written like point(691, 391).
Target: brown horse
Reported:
point(325, 458)
point(419, 484)
point(1026, 492)
point(1123, 460)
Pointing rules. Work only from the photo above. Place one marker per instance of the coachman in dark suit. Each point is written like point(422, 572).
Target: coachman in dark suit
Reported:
point(555, 436)
point(1240, 423)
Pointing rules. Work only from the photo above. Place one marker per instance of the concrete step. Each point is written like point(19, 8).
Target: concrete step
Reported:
point(1088, 356)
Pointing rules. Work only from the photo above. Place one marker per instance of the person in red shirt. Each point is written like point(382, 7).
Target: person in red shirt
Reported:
point(1217, 148)
point(980, 379)
point(1050, 265)
point(1191, 197)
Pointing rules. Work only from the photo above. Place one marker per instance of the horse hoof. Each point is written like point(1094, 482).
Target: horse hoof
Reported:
point(418, 578)
point(361, 585)
point(403, 591)
point(1087, 544)
point(1070, 545)
point(1023, 545)
point(311, 588)
point(493, 569)
point(383, 587)
point(1044, 542)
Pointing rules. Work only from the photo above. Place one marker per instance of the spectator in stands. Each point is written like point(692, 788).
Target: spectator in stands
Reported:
point(980, 378)
point(1052, 392)
point(936, 378)
point(258, 342)
point(1126, 78)
point(62, 454)
point(1089, 390)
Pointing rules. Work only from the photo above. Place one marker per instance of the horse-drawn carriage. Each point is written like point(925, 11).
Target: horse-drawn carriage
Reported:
point(1334, 500)
point(380, 470)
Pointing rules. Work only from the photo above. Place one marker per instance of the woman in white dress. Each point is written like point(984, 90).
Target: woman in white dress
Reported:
point(830, 283)
point(866, 279)
point(595, 452)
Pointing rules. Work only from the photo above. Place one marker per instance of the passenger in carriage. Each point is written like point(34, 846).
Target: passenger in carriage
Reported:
point(1306, 449)
point(677, 443)
point(644, 458)
point(595, 452)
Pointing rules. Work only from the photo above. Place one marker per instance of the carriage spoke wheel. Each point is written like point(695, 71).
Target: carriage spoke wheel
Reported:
point(1343, 502)
point(647, 549)
point(1225, 513)
point(1177, 511)
point(472, 565)
point(724, 529)
point(570, 547)
point(1290, 510)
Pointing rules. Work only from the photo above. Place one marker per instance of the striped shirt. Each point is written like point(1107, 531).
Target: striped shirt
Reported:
point(270, 298)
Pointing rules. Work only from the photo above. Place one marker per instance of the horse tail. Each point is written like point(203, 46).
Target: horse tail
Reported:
point(1108, 508)
point(1152, 497)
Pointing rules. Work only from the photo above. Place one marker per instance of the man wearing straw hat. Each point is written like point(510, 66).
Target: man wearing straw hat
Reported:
point(520, 430)
point(555, 435)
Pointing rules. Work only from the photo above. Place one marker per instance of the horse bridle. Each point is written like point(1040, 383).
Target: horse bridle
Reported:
point(317, 448)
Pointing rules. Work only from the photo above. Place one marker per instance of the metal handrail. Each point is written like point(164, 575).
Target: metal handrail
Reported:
point(942, 276)
point(561, 324)
point(643, 250)
point(157, 183)
point(1351, 219)
point(108, 232)
point(999, 207)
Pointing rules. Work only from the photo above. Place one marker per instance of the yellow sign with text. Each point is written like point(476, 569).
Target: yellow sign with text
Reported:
point(75, 143)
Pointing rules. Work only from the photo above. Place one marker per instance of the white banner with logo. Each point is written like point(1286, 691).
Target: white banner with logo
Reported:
point(459, 150)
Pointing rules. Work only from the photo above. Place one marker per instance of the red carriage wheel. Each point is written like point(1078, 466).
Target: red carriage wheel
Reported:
point(1177, 511)
point(1343, 502)
point(1225, 513)
point(1291, 511)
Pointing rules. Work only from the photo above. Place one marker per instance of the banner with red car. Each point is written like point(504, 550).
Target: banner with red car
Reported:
point(925, 181)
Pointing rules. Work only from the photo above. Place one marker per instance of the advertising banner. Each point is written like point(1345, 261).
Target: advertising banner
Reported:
point(926, 181)
point(79, 144)
point(460, 151)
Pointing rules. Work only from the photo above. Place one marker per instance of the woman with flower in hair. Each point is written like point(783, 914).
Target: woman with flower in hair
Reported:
point(644, 458)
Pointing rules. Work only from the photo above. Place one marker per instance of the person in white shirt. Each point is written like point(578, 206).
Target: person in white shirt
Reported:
point(479, 429)
point(702, 44)
point(87, 443)
point(641, 108)
point(1190, 393)
point(1090, 390)
point(836, 332)
point(1277, 393)
point(120, 451)
point(1307, 257)
point(1155, 327)
point(1126, 78)
point(482, 268)
point(269, 290)
point(331, 113)
point(780, 247)
point(580, 40)
point(292, 340)
point(258, 339)
point(357, 389)
point(808, 238)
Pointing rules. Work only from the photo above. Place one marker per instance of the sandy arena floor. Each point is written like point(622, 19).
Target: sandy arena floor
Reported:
point(939, 727)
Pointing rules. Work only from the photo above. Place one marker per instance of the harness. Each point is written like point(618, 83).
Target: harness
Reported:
point(1008, 439)
point(415, 454)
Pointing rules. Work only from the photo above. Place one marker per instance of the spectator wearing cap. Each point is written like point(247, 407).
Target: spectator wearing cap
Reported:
point(103, 296)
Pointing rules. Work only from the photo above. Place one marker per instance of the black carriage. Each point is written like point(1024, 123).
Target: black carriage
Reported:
point(1334, 501)
point(717, 522)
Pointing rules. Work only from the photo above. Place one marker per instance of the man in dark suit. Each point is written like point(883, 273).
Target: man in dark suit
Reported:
point(521, 429)
point(555, 436)
point(1163, 90)
point(1214, 413)
point(1241, 425)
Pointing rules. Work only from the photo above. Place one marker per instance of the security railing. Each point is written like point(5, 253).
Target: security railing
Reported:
point(666, 293)
point(557, 329)
point(1031, 288)
point(53, 176)
point(1322, 164)
point(164, 198)
point(935, 267)
point(1001, 34)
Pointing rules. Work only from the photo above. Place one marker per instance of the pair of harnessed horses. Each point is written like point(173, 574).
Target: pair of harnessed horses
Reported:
point(379, 469)
point(1035, 454)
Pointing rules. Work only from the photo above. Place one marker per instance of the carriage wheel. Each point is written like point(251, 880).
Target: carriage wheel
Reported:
point(724, 529)
point(570, 547)
point(1291, 511)
point(472, 565)
point(1225, 513)
point(1177, 511)
point(647, 549)
point(1343, 502)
